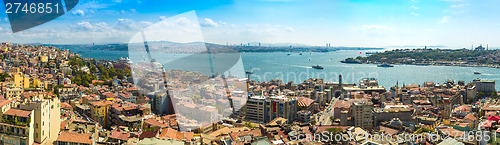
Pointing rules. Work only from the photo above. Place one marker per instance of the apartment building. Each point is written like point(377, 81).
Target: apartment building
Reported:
point(255, 109)
point(21, 80)
point(46, 114)
point(99, 112)
point(262, 109)
point(16, 127)
point(363, 114)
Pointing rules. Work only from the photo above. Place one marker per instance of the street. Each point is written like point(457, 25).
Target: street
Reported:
point(324, 119)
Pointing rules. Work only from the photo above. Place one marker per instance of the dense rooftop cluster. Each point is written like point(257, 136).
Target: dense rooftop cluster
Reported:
point(53, 96)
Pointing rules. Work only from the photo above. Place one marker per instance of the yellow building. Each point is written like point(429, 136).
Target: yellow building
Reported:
point(13, 92)
point(44, 58)
point(39, 84)
point(22, 81)
point(15, 133)
point(47, 122)
point(99, 112)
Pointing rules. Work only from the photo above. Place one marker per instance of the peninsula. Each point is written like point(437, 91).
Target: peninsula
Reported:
point(478, 57)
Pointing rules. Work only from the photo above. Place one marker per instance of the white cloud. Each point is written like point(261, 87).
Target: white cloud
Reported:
point(445, 19)
point(180, 28)
point(117, 1)
point(415, 7)
point(375, 27)
point(208, 23)
point(182, 21)
point(87, 26)
point(130, 25)
point(127, 12)
point(415, 14)
point(78, 12)
point(162, 18)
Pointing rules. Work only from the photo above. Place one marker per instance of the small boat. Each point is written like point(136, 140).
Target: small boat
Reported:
point(477, 73)
point(288, 54)
point(385, 65)
point(300, 53)
point(317, 67)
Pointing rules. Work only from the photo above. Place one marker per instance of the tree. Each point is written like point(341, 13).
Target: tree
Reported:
point(313, 122)
point(494, 94)
point(249, 124)
point(480, 94)
point(332, 118)
point(334, 130)
point(3, 77)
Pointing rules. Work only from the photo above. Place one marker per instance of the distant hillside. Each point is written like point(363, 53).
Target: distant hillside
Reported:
point(195, 47)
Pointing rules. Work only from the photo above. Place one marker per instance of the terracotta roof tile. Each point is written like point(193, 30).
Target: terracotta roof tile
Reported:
point(75, 137)
point(18, 112)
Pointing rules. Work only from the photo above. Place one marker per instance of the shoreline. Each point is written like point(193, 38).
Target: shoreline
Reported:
point(434, 64)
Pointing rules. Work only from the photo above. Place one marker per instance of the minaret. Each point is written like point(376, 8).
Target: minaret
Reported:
point(340, 80)
point(486, 46)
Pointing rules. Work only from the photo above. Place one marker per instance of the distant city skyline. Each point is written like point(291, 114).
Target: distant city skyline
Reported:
point(349, 23)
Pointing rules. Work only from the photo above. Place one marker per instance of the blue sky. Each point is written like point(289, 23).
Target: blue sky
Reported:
point(363, 23)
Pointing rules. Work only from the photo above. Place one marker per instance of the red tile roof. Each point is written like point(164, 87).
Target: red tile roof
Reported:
point(470, 116)
point(342, 104)
point(4, 102)
point(65, 105)
point(305, 102)
point(97, 103)
point(148, 134)
point(235, 135)
point(18, 112)
point(119, 133)
point(74, 137)
point(170, 133)
point(154, 122)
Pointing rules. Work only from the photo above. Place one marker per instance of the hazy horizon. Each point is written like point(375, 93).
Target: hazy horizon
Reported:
point(347, 23)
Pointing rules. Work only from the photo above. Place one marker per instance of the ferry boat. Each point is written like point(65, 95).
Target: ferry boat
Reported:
point(125, 60)
point(477, 73)
point(385, 65)
point(317, 67)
